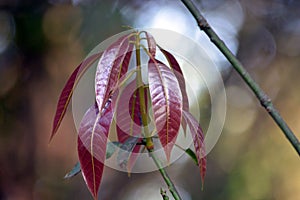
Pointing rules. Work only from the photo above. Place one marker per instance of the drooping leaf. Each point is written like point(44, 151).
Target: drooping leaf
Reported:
point(76, 170)
point(198, 139)
point(128, 114)
point(151, 44)
point(112, 65)
point(128, 118)
point(110, 150)
point(181, 80)
point(67, 91)
point(92, 140)
point(166, 103)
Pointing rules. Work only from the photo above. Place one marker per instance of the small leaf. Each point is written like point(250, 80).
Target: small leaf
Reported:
point(192, 154)
point(151, 44)
point(112, 65)
point(198, 139)
point(67, 91)
point(179, 75)
point(76, 170)
point(111, 148)
point(166, 103)
point(92, 140)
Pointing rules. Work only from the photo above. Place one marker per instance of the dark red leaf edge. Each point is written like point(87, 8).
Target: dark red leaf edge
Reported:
point(181, 80)
point(112, 66)
point(67, 91)
point(92, 142)
point(166, 103)
point(198, 139)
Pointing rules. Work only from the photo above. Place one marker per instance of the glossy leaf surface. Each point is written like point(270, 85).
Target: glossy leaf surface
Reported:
point(112, 66)
point(198, 139)
point(166, 103)
point(67, 91)
point(180, 78)
point(92, 140)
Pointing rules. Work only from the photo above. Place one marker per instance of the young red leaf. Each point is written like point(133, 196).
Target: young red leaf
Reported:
point(179, 75)
point(128, 114)
point(128, 118)
point(198, 139)
point(92, 140)
point(112, 65)
point(151, 44)
point(166, 103)
point(67, 91)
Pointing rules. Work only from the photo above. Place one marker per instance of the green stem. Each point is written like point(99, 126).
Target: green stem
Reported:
point(260, 94)
point(165, 176)
point(143, 108)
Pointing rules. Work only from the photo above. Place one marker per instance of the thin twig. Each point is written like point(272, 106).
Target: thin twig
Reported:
point(260, 94)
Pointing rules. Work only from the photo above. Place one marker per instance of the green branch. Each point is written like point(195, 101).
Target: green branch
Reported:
point(165, 176)
point(260, 94)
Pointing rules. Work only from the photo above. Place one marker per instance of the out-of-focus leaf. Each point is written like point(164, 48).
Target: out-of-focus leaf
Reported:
point(198, 139)
point(110, 150)
point(166, 103)
point(125, 153)
point(151, 44)
point(112, 65)
point(179, 75)
point(67, 91)
point(92, 140)
point(76, 170)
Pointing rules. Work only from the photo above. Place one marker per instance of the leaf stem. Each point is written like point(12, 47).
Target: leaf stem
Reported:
point(147, 134)
point(260, 94)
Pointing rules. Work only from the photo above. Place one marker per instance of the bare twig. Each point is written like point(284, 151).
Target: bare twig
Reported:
point(260, 94)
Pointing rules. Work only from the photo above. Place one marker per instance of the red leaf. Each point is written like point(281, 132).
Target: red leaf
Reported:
point(112, 65)
point(166, 103)
point(67, 91)
point(128, 114)
point(179, 75)
point(92, 140)
point(128, 118)
point(151, 44)
point(198, 139)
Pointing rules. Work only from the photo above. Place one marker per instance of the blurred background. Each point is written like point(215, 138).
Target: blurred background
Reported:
point(41, 43)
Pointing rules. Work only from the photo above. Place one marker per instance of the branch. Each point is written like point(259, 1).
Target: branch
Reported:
point(260, 94)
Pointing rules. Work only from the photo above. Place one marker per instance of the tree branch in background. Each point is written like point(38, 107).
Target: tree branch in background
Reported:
point(260, 94)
